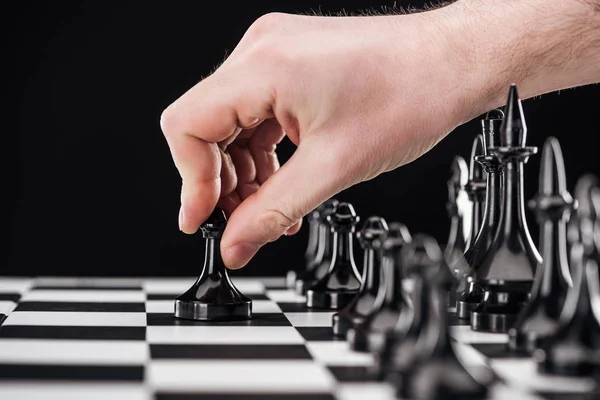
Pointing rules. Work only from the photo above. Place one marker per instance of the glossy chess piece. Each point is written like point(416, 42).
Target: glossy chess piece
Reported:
point(213, 297)
point(469, 292)
point(362, 304)
point(432, 370)
point(341, 282)
point(553, 205)
point(586, 223)
point(391, 302)
point(325, 250)
point(476, 189)
point(507, 272)
point(311, 250)
point(573, 350)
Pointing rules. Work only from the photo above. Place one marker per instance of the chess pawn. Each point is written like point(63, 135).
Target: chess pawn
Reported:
point(362, 304)
point(391, 301)
point(470, 292)
point(213, 297)
point(508, 269)
point(552, 205)
point(322, 259)
point(573, 350)
point(341, 282)
point(309, 253)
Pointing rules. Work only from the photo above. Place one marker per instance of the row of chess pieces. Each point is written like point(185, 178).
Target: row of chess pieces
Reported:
point(497, 278)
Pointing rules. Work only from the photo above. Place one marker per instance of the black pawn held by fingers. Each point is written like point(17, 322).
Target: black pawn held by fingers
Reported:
point(553, 205)
point(362, 304)
point(507, 271)
point(340, 284)
point(574, 349)
point(213, 297)
point(470, 292)
point(317, 267)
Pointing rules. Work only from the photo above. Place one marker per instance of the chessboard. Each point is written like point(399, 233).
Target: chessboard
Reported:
point(117, 338)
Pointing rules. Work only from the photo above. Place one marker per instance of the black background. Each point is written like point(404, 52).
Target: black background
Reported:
point(89, 184)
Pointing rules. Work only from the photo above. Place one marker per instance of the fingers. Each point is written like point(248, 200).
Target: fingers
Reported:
point(310, 177)
point(212, 111)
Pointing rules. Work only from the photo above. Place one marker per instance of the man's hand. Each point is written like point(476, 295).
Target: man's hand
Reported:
point(358, 95)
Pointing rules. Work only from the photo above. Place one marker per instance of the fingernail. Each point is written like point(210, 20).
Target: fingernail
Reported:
point(181, 218)
point(239, 254)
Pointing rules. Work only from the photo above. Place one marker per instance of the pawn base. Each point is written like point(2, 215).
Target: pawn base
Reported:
point(464, 309)
point(201, 311)
point(357, 340)
point(341, 324)
point(492, 322)
point(331, 299)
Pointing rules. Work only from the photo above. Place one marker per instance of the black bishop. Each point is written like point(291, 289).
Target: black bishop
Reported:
point(470, 292)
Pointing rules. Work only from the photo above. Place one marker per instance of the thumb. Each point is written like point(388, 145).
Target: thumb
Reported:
point(311, 176)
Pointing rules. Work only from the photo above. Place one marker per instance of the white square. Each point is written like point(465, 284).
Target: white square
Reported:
point(160, 306)
point(223, 335)
point(285, 296)
point(85, 296)
point(260, 376)
point(265, 307)
point(93, 282)
point(15, 285)
point(75, 318)
point(6, 307)
point(522, 373)
point(362, 391)
point(338, 353)
point(78, 352)
point(174, 286)
point(464, 334)
point(301, 319)
point(73, 391)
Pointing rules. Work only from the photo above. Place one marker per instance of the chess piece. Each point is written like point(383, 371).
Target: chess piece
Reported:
point(341, 282)
point(469, 292)
point(357, 310)
point(391, 301)
point(457, 195)
point(476, 188)
point(309, 253)
point(586, 223)
point(319, 265)
point(436, 371)
point(573, 350)
point(507, 272)
point(552, 205)
point(213, 297)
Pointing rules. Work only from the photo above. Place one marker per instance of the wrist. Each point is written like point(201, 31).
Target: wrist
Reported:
point(541, 46)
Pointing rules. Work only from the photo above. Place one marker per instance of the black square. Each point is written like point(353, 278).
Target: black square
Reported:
point(318, 333)
point(80, 306)
point(73, 332)
point(30, 372)
point(266, 319)
point(229, 352)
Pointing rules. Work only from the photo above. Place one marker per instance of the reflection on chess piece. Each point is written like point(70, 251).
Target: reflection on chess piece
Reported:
point(476, 188)
point(553, 205)
point(470, 292)
point(341, 282)
point(213, 297)
point(508, 269)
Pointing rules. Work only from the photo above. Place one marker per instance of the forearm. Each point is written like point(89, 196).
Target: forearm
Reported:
point(540, 45)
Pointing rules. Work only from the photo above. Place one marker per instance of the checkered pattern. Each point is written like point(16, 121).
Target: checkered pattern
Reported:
point(109, 338)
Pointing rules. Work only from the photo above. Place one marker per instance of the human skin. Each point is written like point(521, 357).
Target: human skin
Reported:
point(356, 96)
